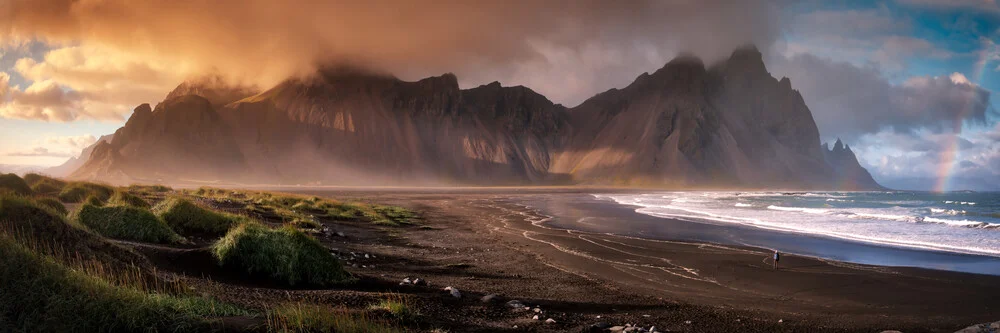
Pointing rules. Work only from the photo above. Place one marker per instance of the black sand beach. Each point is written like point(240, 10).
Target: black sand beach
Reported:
point(703, 284)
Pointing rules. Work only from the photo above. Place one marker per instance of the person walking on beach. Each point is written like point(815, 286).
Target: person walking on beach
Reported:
point(776, 258)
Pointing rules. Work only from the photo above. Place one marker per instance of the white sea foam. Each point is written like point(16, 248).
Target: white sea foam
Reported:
point(960, 223)
point(897, 219)
point(799, 209)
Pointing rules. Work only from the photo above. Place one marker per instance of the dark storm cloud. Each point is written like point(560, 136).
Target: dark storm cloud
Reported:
point(850, 101)
point(478, 40)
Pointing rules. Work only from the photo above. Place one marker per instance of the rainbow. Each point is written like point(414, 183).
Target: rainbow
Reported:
point(949, 156)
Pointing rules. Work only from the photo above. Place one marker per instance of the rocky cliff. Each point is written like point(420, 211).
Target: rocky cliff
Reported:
point(727, 125)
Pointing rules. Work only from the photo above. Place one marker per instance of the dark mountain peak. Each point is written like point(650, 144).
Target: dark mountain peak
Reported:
point(748, 60)
point(838, 146)
point(683, 62)
point(446, 81)
point(183, 103)
point(143, 108)
point(217, 90)
point(785, 83)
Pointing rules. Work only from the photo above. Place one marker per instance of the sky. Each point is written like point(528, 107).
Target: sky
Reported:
point(908, 84)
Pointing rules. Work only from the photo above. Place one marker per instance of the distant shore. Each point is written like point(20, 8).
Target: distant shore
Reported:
point(716, 287)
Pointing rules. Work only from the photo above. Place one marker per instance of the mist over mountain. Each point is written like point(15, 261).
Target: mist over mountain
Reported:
point(729, 124)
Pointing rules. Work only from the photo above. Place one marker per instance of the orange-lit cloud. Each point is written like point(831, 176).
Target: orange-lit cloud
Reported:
point(565, 49)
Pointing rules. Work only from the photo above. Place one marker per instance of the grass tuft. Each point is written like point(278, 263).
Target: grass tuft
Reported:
point(40, 295)
point(12, 183)
point(93, 200)
point(397, 307)
point(78, 191)
point(122, 198)
point(54, 204)
point(126, 223)
point(44, 184)
point(188, 218)
point(315, 318)
point(284, 255)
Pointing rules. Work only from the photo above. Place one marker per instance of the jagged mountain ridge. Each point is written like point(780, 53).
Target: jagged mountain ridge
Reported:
point(728, 125)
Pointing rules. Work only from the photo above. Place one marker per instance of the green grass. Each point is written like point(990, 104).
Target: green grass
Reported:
point(78, 191)
point(284, 255)
point(397, 307)
point(12, 183)
point(54, 204)
point(122, 198)
point(29, 218)
point(186, 217)
point(44, 184)
point(38, 294)
point(390, 215)
point(315, 318)
point(149, 188)
point(127, 223)
point(93, 200)
point(303, 223)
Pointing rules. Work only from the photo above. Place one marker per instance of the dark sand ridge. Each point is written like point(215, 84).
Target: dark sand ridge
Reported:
point(622, 278)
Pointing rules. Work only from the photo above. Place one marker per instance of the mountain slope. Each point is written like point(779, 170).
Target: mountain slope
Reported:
point(74, 163)
point(727, 125)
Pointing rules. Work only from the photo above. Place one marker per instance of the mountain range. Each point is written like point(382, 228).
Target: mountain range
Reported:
point(729, 124)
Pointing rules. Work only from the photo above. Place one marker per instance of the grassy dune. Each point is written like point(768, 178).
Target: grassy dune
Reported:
point(78, 191)
point(11, 183)
point(127, 223)
point(187, 218)
point(58, 277)
point(284, 255)
point(61, 273)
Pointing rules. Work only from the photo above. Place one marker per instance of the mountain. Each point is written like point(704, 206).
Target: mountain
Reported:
point(74, 163)
point(848, 171)
point(727, 125)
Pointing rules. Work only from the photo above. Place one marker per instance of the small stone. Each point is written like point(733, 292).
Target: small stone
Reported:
point(489, 298)
point(420, 282)
point(652, 328)
point(366, 256)
point(535, 317)
point(601, 325)
point(618, 328)
point(340, 234)
point(453, 291)
point(645, 316)
point(781, 320)
point(407, 281)
point(687, 322)
point(515, 304)
point(537, 310)
point(550, 321)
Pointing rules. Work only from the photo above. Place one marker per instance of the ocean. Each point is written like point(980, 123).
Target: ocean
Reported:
point(955, 222)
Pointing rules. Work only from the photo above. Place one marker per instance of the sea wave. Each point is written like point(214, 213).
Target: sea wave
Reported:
point(962, 223)
point(739, 204)
point(798, 209)
point(948, 211)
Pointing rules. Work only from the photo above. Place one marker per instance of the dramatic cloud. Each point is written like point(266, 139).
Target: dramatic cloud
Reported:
point(265, 41)
point(43, 100)
point(849, 101)
point(40, 151)
point(4, 85)
point(989, 6)
point(77, 142)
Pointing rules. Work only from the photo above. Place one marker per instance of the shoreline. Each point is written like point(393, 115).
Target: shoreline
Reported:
point(819, 246)
point(516, 253)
